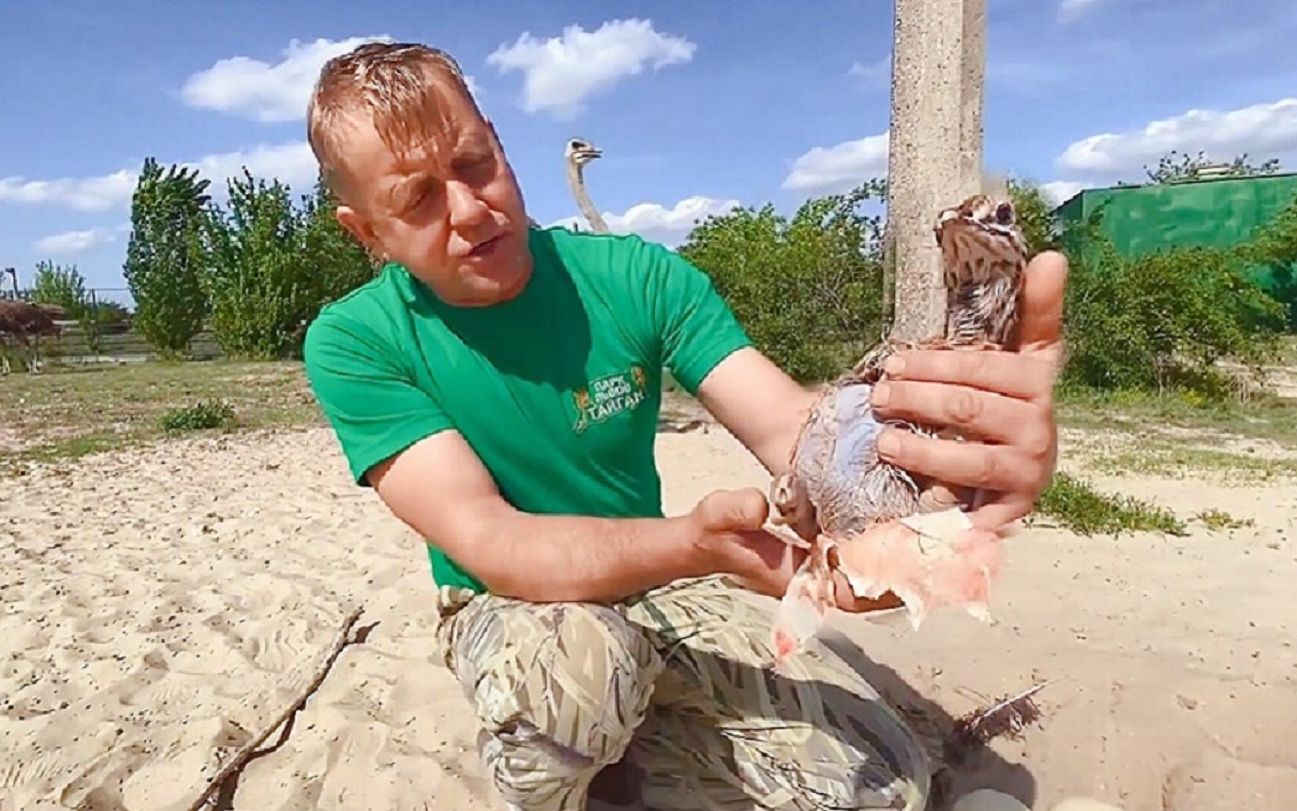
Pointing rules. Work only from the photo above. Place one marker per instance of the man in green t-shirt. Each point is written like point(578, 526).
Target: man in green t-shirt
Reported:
point(498, 385)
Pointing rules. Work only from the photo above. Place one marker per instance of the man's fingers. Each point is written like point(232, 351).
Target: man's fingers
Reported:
point(848, 601)
point(997, 515)
point(1041, 301)
point(743, 509)
point(986, 467)
point(1023, 376)
point(974, 414)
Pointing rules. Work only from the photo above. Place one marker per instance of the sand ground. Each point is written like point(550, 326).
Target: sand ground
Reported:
point(159, 605)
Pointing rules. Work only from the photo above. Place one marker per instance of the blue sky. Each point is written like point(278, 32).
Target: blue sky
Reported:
point(697, 106)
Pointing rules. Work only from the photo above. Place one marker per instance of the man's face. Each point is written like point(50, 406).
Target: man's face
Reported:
point(448, 208)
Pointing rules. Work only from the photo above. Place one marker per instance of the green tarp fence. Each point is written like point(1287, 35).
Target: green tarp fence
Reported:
point(1216, 212)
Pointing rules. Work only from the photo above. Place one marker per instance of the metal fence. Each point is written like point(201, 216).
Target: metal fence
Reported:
point(102, 330)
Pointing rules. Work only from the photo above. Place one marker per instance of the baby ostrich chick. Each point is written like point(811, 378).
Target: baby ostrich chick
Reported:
point(885, 529)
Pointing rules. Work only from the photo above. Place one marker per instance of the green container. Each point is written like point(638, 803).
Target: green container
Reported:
point(1214, 212)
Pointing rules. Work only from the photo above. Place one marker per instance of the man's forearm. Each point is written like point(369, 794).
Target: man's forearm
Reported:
point(760, 405)
point(549, 558)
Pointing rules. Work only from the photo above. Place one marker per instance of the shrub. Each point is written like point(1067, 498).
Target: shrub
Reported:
point(1033, 213)
point(809, 290)
point(275, 266)
point(1274, 247)
point(201, 415)
point(1164, 320)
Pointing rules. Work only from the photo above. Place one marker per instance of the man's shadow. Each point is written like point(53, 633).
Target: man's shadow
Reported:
point(956, 769)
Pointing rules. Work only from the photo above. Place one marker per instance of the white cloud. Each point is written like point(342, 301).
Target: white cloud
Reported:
point(84, 194)
point(562, 72)
point(293, 163)
point(1058, 192)
point(1069, 10)
point(262, 91)
point(657, 223)
point(875, 75)
point(1261, 130)
point(70, 243)
point(834, 169)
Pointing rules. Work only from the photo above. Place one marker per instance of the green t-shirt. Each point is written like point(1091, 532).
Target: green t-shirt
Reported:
point(558, 390)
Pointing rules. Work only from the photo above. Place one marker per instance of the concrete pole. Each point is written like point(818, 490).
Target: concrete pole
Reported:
point(972, 80)
point(935, 146)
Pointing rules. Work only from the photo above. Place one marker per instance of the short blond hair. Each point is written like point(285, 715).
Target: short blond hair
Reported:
point(399, 85)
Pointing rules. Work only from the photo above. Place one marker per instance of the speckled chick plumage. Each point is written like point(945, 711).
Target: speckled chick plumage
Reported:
point(837, 489)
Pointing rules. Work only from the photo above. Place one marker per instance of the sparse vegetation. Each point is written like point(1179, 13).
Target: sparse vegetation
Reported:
point(1217, 520)
point(67, 414)
point(1077, 506)
point(202, 415)
point(61, 285)
point(1178, 459)
point(1148, 413)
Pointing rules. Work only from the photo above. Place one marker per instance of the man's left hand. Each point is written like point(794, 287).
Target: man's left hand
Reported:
point(1001, 402)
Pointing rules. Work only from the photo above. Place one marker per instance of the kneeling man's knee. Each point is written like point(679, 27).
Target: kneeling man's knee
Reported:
point(559, 692)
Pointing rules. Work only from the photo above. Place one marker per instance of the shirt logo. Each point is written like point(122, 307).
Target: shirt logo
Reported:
point(607, 396)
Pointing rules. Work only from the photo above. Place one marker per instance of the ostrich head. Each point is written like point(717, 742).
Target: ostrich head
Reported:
point(580, 152)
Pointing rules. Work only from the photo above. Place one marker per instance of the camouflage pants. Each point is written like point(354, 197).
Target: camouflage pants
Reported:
point(678, 680)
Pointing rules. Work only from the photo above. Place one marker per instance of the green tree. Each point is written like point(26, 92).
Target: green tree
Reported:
point(1176, 166)
point(809, 289)
point(61, 285)
point(335, 262)
point(276, 266)
point(257, 283)
point(168, 254)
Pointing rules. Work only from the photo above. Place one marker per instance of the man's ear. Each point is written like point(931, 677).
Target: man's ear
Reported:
point(356, 225)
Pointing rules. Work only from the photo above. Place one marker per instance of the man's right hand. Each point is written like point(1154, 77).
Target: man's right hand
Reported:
point(729, 534)
point(729, 526)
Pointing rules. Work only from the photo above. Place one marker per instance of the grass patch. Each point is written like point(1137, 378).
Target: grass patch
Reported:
point(1217, 520)
point(1143, 413)
point(70, 412)
point(1176, 459)
point(1077, 506)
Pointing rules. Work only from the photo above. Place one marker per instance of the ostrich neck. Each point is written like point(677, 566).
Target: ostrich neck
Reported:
point(577, 182)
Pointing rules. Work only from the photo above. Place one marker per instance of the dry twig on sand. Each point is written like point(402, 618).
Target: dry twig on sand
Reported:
point(244, 752)
point(1008, 716)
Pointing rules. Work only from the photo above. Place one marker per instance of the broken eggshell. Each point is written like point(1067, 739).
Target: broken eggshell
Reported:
point(929, 560)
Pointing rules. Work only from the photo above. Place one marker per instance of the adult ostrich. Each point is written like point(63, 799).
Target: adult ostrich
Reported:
point(578, 153)
point(22, 321)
